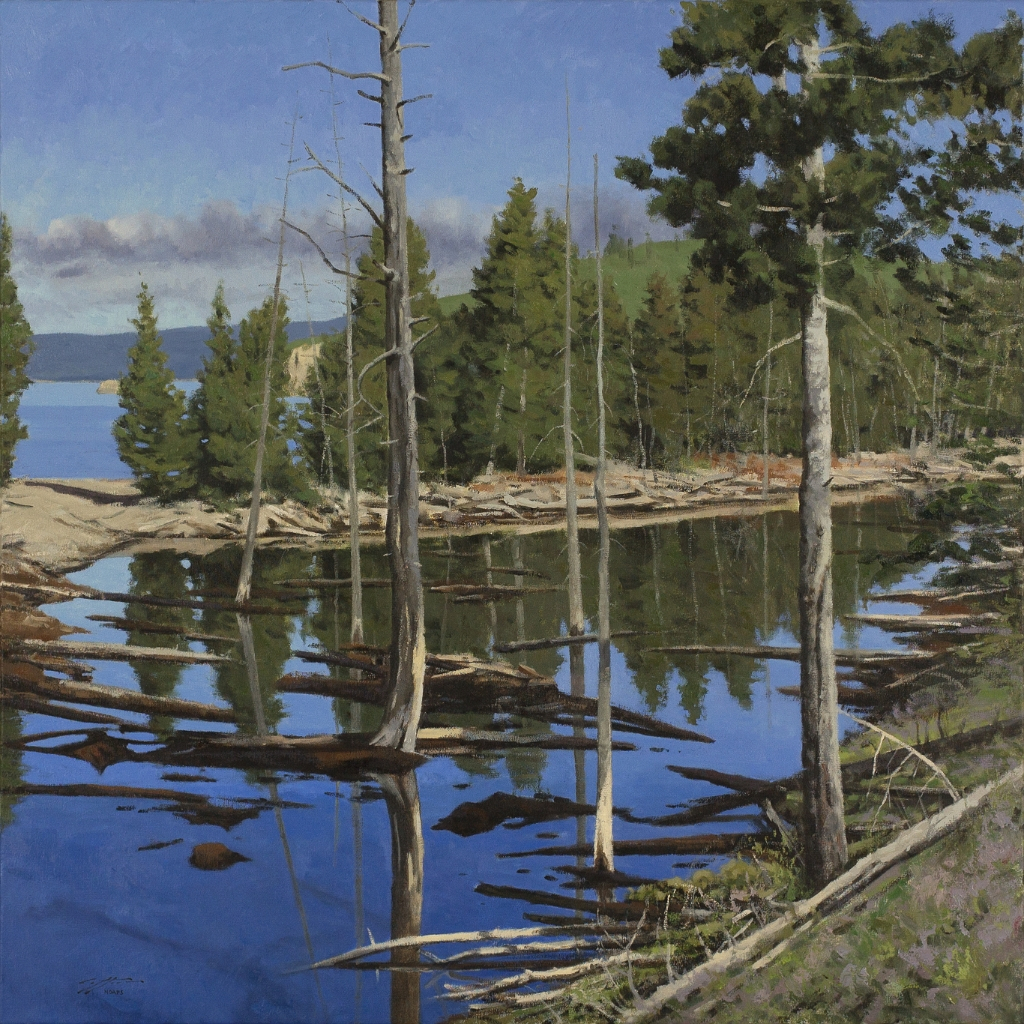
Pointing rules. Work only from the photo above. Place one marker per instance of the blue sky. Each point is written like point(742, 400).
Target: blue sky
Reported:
point(145, 136)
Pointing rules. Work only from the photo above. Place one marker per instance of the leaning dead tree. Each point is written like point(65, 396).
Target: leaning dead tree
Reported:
point(407, 652)
point(245, 575)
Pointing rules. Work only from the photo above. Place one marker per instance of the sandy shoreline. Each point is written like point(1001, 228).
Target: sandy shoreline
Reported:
point(60, 525)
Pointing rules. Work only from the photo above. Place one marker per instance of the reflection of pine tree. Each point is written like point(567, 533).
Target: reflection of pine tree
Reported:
point(160, 573)
point(218, 571)
point(12, 769)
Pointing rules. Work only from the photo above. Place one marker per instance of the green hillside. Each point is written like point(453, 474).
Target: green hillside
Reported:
point(629, 271)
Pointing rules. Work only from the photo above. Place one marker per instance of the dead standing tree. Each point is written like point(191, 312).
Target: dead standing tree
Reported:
point(245, 575)
point(408, 646)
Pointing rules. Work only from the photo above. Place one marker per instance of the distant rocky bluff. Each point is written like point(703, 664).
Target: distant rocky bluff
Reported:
point(105, 356)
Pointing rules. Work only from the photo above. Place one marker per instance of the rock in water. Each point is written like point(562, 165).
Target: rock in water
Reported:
point(214, 857)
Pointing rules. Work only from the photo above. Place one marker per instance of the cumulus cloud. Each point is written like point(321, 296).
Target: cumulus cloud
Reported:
point(83, 274)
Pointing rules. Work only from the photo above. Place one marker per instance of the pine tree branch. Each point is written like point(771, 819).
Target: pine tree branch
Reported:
point(760, 362)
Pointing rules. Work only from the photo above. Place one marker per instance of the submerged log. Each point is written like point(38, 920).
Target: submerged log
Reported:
point(740, 783)
point(487, 592)
point(473, 818)
point(121, 699)
point(454, 740)
point(331, 584)
point(119, 652)
point(938, 594)
point(120, 792)
point(657, 847)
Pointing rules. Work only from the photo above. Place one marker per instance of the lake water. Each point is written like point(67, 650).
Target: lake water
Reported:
point(102, 923)
point(69, 432)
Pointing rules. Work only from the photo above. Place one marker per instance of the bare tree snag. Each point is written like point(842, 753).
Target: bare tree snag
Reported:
point(245, 575)
point(572, 535)
point(604, 854)
point(823, 824)
point(408, 646)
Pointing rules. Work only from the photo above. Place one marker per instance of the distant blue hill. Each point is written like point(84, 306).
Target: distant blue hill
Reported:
point(105, 356)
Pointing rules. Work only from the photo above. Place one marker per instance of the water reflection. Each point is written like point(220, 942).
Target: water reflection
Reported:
point(695, 581)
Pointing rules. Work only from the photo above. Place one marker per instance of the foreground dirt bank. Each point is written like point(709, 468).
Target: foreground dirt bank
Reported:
point(64, 524)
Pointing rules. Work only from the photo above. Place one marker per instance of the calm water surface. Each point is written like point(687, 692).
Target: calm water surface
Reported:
point(95, 928)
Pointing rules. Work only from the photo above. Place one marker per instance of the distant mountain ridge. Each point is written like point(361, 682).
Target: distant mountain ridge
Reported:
point(68, 357)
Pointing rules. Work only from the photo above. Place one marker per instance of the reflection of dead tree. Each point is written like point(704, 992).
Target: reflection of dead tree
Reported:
point(401, 794)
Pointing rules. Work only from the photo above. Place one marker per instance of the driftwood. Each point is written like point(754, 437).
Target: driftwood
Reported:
point(854, 657)
point(37, 706)
point(923, 622)
point(119, 652)
point(657, 847)
point(121, 699)
point(559, 641)
point(761, 943)
point(487, 935)
point(618, 911)
point(740, 783)
point(140, 626)
point(329, 584)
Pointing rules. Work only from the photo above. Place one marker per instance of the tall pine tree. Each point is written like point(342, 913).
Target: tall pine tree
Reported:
point(151, 436)
point(15, 348)
point(225, 408)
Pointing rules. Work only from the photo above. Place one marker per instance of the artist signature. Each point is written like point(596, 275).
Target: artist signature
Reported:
point(111, 986)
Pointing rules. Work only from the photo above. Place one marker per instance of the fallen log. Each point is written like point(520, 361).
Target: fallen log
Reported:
point(120, 792)
point(938, 594)
point(588, 706)
point(119, 652)
point(705, 808)
point(121, 699)
point(364, 691)
point(852, 695)
point(186, 602)
point(619, 911)
point(140, 626)
point(762, 942)
point(37, 706)
point(473, 818)
point(740, 783)
point(922, 622)
point(443, 938)
point(558, 641)
point(844, 656)
point(454, 740)
point(658, 847)
point(330, 584)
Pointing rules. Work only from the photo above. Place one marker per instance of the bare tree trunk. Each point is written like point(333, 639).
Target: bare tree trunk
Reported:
point(823, 821)
point(767, 397)
point(245, 575)
point(355, 565)
point(406, 663)
point(824, 826)
point(853, 402)
point(604, 859)
point(521, 453)
point(401, 794)
point(572, 536)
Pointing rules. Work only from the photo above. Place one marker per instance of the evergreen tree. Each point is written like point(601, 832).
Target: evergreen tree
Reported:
point(151, 436)
point(225, 408)
point(838, 160)
point(328, 392)
point(15, 348)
